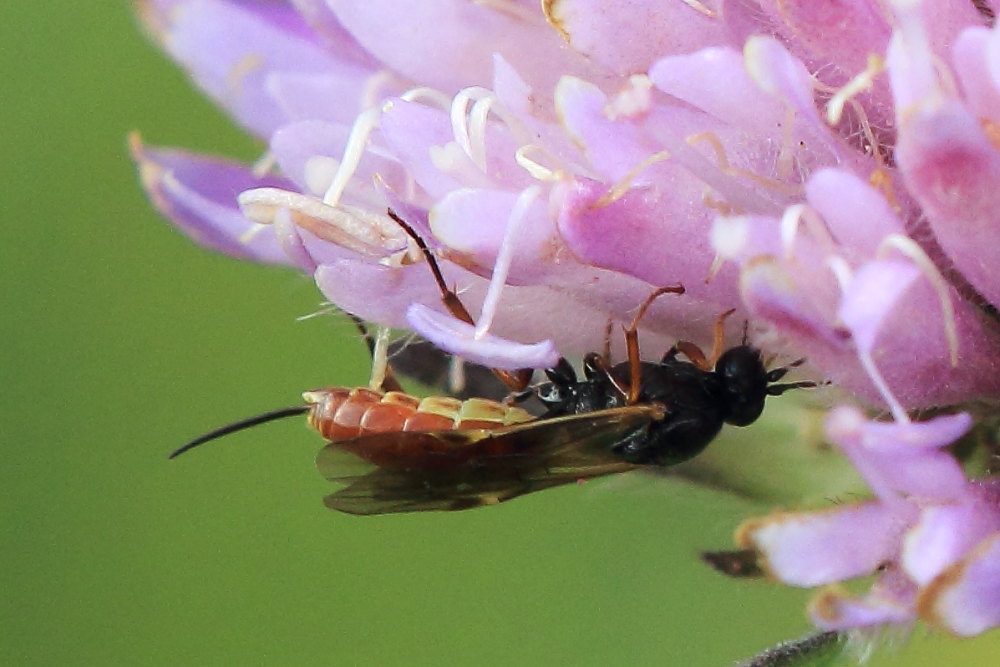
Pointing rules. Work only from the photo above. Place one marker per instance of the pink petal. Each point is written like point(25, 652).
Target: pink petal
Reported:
point(231, 47)
point(965, 600)
point(472, 223)
point(945, 534)
point(953, 168)
point(810, 549)
point(458, 338)
point(975, 55)
point(465, 37)
point(626, 37)
point(198, 194)
point(837, 610)
point(902, 458)
point(653, 235)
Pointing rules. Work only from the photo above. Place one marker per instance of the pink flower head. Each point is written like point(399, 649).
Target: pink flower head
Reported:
point(830, 170)
point(932, 536)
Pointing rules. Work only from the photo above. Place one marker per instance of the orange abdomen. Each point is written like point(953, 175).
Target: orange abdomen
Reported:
point(338, 413)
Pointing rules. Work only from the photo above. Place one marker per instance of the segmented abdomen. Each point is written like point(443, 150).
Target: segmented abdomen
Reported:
point(345, 412)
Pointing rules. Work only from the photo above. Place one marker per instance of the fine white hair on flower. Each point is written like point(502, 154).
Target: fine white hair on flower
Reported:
point(829, 174)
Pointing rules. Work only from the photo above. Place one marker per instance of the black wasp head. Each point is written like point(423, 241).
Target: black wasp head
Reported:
point(745, 382)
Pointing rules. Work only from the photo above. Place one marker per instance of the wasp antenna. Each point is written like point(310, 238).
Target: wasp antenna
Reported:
point(779, 389)
point(241, 425)
point(778, 373)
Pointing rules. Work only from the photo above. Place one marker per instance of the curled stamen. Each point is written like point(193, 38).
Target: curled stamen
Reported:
point(478, 116)
point(793, 218)
point(536, 169)
point(363, 126)
point(861, 82)
point(501, 268)
point(381, 80)
point(916, 254)
point(469, 123)
point(618, 190)
point(427, 94)
point(841, 271)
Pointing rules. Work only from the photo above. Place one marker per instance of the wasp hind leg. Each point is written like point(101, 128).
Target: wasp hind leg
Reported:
point(516, 381)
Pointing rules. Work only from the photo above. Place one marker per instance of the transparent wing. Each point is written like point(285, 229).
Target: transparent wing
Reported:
point(453, 470)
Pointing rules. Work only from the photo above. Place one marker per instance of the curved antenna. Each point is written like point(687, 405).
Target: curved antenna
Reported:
point(241, 425)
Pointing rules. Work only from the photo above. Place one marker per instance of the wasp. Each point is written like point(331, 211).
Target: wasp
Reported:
point(394, 452)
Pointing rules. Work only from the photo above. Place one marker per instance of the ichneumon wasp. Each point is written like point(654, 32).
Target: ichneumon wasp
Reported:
point(394, 452)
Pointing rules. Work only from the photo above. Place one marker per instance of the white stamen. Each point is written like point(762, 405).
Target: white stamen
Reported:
point(792, 218)
point(363, 126)
point(501, 268)
point(246, 237)
point(618, 190)
point(427, 94)
point(478, 116)
point(468, 125)
point(914, 252)
point(861, 82)
point(841, 271)
point(460, 121)
point(536, 169)
point(380, 358)
point(264, 164)
point(898, 413)
point(371, 94)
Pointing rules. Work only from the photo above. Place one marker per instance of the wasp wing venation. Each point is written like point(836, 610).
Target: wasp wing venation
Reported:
point(451, 470)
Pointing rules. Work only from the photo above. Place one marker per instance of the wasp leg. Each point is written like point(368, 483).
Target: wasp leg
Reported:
point(388, 381)
point(718, 340)
point(516, 380)
point(695, 354)
point(632, 342)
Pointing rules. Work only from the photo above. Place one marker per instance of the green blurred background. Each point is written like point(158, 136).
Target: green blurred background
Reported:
point(121, 340)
